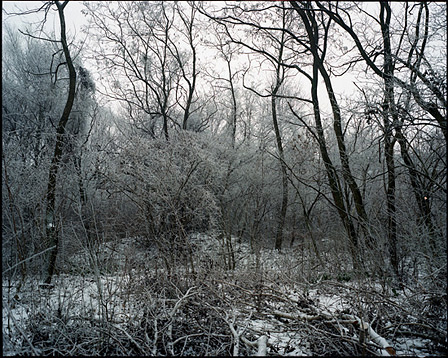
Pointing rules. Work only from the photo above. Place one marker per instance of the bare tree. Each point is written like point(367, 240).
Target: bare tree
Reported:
point(432, 80)
point(51, 215)
point(308, 17)
point(280, 74)
point(426, 87)
point(276, 60)
point(310, 45)
point(227, 53)
point(152, 51)
point(189, 76)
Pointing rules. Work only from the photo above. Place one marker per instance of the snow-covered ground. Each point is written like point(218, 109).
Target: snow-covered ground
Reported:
point(141, 308)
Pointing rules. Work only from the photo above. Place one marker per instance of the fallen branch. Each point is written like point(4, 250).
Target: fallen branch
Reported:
point(366, 328)
point(441, 340)
point(235, 334)
point(302, 316)
point(374, 337)
point(172, 313)
point(142, 351)
point(261, 345)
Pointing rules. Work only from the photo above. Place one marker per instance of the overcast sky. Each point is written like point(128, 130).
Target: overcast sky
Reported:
point(76, 22)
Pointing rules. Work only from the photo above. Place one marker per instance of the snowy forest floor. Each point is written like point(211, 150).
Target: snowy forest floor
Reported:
point(267, 305)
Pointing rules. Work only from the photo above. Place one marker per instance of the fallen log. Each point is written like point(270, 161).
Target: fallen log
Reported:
point(302, 316)
point(260, 344)
point(366, 328)
point(387, 349)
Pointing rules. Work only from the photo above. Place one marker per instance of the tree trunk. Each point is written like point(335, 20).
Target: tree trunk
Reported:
point(232, 92)
point(278, 137)
point(52, 233)
point(192, 83)
point(284, 207)
point(333, 178)
point(421, 197)
point(346, 171)
point(389, 111)
point(390, 194)
point(337, 127)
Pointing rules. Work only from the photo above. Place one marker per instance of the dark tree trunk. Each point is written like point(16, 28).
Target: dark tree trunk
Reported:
point(337, 127)
point(333, 178)
point(284, 206)
point(278, 137)
point(389, 111)
point(192, 83)
point(52, 228)
point(234, 105)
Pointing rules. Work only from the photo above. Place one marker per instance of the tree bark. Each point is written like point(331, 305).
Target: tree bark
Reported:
point(333, 178)
point(278, 137)
point(389, 111)
point(52, 233)
point(194, 74)
point(337, 127)
point(390, 194)
point(284, 207)
point(387, 74)
point(234, 105)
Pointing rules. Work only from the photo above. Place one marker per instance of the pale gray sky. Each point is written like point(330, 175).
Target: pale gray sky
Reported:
point(76, 21)
point(73, 16)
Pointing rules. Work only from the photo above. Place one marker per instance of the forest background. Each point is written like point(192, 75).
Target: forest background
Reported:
point(213, 137)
